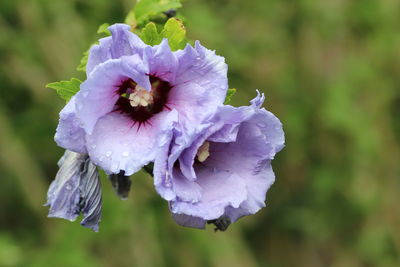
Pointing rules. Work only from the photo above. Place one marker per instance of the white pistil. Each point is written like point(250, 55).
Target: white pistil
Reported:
point(203, 153)
point(140, 97)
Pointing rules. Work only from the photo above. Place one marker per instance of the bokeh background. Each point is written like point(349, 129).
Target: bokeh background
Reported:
point(331, 73)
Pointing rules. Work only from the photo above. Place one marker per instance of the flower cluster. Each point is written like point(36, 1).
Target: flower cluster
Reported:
point(142, 105)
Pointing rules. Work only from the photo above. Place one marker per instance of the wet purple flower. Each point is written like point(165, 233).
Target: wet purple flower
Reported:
point(75, 190)
point(134, 97)
point(222, 171)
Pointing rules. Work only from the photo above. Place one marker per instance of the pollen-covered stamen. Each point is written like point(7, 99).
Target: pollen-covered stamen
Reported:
point(140, 97)
point(204, 152)
point(138, 103)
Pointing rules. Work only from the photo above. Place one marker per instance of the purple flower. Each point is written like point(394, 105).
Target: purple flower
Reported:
point(134, 97)
point(75, 190)
point(222, 171)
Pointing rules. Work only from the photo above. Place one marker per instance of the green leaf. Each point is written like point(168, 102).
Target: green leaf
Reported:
point(84, 60)
point(229, 95)
point(145, 9)
point(66, 89)
point(103, 28)
point(175, 32)
point(150, 34)
point(131, 19)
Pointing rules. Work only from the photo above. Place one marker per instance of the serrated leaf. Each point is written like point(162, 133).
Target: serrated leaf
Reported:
point(145, 9)
point(103, 28)
point(150, 34)
point(175, 32)
point(66, 89)
point(229, 95)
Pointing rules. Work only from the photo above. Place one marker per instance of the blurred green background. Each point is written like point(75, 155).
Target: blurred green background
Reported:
point(331, 73)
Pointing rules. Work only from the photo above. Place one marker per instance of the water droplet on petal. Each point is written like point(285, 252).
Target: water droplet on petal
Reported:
point(68, 187)
point(108, 153)
point(125, 154)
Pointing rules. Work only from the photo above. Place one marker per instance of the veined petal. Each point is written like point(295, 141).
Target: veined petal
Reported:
point(91, 201)
point(76, 189)
point(64, 194)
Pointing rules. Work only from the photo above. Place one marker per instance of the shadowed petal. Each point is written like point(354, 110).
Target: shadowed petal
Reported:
point(76, 189)
point(91, 202)
point(189, 221)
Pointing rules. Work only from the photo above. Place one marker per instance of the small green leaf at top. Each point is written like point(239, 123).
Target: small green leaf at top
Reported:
point(103, 28)
point(145, 9)
point(66, 89)
point(83, 62)
point(176, 33)
point(229, 95)
point(150, 34)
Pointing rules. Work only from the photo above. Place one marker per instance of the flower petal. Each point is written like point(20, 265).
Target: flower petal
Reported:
point(76, 189)
point(189, 221)
point(203, 67)
point(119, 144)
point(91, 202)
point(98, 93)
point(64, 194)
point(69, 134)
point(219, 190)
point(122, 42)
point(162, 61)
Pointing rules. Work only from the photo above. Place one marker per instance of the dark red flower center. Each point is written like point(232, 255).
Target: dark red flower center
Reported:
point(139, 104)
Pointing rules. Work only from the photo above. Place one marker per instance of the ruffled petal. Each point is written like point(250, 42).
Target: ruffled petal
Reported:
point(200, 85)
point(257, 188)
point(69, 133)
point(122, 42)
point(203, 67)
point(219, 190)
point(258, 101)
